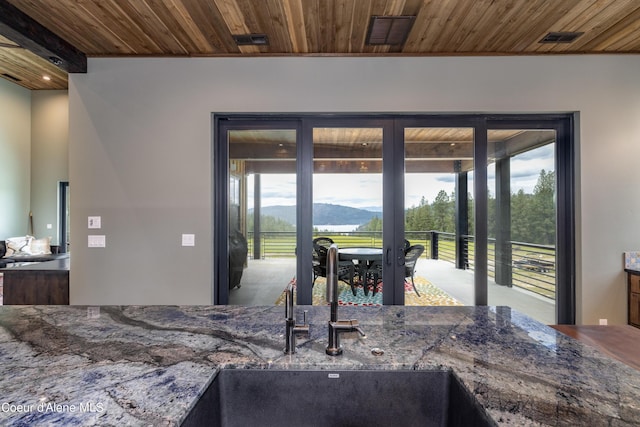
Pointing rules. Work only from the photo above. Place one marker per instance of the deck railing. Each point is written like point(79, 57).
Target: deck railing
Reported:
point(530, 266)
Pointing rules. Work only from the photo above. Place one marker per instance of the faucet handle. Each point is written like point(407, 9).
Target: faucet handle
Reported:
point(355, 327)
point(302, 328)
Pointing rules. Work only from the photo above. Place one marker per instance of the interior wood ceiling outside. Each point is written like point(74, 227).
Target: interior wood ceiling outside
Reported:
point(353, 150)
point(22, 64)
point(321, 27)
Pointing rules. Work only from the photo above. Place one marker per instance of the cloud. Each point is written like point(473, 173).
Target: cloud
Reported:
point(365, 190)
point(544, 152)
point(446, 178)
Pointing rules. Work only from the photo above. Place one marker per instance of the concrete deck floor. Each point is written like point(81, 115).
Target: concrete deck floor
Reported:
point(264, 280)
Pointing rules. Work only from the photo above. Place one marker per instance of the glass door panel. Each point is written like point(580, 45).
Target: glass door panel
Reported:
point(347, 210)
point(522, 221)
point(438, 216)
point(262, 214)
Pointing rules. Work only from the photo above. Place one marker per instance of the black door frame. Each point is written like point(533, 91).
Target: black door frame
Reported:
point(63, 200)
point(220, 184)
point(393, 229)
point(393, 168)
point(564, 126)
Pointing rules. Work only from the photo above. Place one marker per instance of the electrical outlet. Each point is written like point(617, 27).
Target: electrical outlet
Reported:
point(188, 240)
point(603, 322)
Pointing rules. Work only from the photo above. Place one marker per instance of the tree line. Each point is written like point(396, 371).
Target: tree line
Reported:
point(532, 215)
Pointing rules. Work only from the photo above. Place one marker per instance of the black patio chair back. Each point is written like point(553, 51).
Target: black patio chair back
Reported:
point(320, 249)
point(411, 256)
point(346, 269)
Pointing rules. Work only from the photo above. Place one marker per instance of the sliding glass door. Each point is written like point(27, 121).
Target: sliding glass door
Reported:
point(522, 220)
point(530, 220)
point(438, 215)
point(255, 212)
point(348, 210)
point(427, 210)
point(352, 198)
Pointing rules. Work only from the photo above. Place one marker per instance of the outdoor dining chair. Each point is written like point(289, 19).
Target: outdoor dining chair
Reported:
point(346, 269)
point(411, 256)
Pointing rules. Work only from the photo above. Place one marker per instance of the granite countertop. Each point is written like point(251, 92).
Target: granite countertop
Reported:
point(148, 365)
point(62, 264)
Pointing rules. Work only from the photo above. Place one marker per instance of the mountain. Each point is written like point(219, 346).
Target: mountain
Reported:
point(323, 214)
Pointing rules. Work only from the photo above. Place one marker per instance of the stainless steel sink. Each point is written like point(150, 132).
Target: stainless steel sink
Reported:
point(337, 398)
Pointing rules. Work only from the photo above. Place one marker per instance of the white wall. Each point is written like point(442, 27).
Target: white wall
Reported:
point(15, 159)
point(49, 158)
point(140, 152)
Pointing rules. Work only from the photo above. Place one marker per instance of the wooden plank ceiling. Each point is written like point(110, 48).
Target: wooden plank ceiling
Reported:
point(187, 28)
point(359, 150)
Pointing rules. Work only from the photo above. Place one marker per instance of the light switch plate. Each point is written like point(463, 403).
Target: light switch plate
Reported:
point(49, 226)
point(94, 222)
point(188, 240)
point(96, 241)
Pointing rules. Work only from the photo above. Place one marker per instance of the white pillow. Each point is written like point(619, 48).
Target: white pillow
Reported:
point(40, 246)
point(19, 245)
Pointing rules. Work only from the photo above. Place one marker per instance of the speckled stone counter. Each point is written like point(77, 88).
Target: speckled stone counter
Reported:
point(148, 365)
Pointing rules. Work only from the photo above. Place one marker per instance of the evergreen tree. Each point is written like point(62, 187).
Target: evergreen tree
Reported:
point(543, 209)
point(532, 215)
point(443, 213)
point(375, 224)
point(418, 217)
point(520, 221)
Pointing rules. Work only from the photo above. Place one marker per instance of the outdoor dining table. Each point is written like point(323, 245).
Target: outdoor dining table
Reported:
point(364, 257)
point(367, 255)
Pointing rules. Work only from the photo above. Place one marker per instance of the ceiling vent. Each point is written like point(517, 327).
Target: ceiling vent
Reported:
point(10, 46)
point(251, 39)
point(560, 37)
point(392, 30)
point(9, 76)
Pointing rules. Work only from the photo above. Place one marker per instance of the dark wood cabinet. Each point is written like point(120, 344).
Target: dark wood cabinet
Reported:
point(633, 278)
point(43, 283)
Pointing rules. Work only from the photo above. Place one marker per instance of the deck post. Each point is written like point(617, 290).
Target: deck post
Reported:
point(434, 245)
point(256, 217)
point(503, 256)
point(462, 219)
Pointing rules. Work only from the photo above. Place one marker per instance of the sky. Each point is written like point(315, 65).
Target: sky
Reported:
point(365, 190)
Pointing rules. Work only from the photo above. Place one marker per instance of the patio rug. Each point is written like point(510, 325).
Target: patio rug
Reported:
point(429, 294)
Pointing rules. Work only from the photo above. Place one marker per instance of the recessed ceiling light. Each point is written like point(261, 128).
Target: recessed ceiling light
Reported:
point(47, 78)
